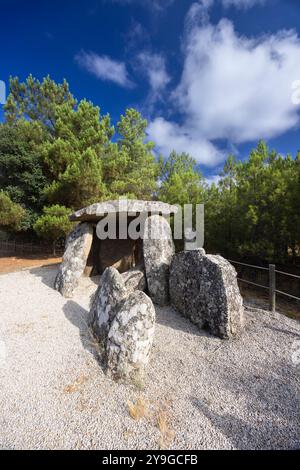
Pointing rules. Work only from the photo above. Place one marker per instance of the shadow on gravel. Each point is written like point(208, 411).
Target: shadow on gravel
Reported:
point(169, 317)
point(78, 316)
point(272, 403)
point(283, 331)
point(229, 425)
point(47, 274)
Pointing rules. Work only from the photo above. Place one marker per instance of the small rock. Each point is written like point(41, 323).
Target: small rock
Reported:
point(135, 279)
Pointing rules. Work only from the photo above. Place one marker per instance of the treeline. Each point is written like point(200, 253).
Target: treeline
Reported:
point(58, 155)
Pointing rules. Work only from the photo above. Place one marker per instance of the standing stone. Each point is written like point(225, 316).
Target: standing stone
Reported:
point(74, 261)
point(185, 279)
point(130, 338)
point(204, 288)
point(135, 279)
point(158, 249)
point(106, 303)
point(225, 304)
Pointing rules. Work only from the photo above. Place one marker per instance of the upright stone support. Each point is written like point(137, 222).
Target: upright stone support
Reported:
point(106, 303)
point(158, 249)
point(122, 321)
point(75, 257)
point(204, 288)
point(130, 338)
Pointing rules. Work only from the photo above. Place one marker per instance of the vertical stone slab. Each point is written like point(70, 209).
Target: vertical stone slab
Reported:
point(185, 280)
point(204, 289)
point(74, 261)
point(221, 294)
point(158, 250)
point(106, 303)
point(130, 338)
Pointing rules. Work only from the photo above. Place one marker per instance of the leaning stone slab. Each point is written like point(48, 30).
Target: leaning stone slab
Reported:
point(135, 279)
point(204, 288)
point(130, 338)
point(106, 303)
point(74, 261)
point(158, 249)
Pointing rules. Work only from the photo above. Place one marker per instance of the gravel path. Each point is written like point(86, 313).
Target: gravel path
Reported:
point(201, 392)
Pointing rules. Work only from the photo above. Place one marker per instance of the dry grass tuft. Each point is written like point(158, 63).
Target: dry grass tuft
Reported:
point(158, 415)
point(167, 434)
point(71, 388)
point(163, 422)
point(23, 328)
point(139, 409)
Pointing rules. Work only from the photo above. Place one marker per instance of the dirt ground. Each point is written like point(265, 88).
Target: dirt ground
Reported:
point(11, 264)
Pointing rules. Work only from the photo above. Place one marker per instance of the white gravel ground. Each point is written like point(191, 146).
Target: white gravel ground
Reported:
point(214, 394)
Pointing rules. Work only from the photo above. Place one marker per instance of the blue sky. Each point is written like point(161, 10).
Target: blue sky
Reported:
point(211, 76)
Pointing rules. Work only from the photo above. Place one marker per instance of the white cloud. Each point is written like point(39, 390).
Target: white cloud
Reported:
point(212, 179)
point(170, 136)
point(242, 3)
point(232, 87)
point(207, 4)
point(237, 88)
point(198, 13)
point(104, 68)
point(136, 35)
point(2, 92)
point(154, 67)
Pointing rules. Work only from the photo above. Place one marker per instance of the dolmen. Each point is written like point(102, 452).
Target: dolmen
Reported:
point(87, 254)
point(200, 286)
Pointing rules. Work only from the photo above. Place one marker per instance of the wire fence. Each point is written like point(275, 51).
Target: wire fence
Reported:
point(272, 281)
point(11, 247)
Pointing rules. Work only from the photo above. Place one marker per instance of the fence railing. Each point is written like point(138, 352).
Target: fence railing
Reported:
point(272, 282)
point(8, 247)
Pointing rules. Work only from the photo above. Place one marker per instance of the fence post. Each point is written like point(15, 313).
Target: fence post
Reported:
point(272, 288)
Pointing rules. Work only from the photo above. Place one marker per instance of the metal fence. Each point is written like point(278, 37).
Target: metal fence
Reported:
point(8, 247)
point(272, 282)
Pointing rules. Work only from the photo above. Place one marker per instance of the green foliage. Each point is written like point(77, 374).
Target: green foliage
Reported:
point(54, 223)
point(12, 215)
point(252, 212)
point(221, 211)
point(130, 168)
point(36, 100)
point(181, 182)
point(21, 167)
point(74, 159)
